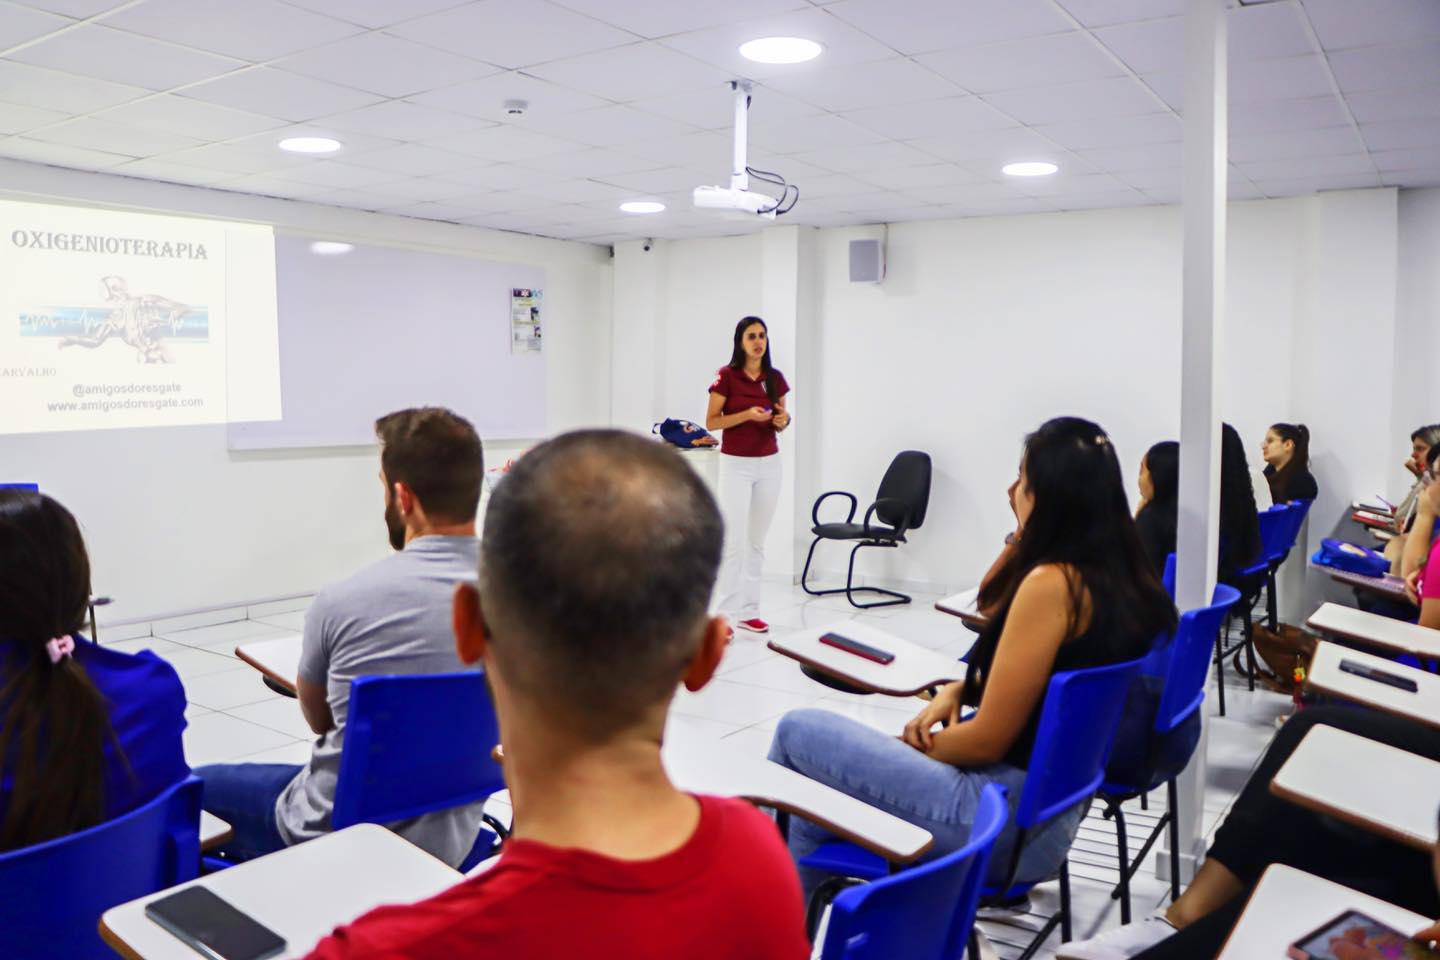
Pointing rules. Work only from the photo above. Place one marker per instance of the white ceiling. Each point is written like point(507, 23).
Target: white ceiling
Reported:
point(908, 115)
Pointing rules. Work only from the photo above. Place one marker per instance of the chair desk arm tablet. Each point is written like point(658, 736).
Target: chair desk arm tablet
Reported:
point(1325, 676)
point(913, 669)
point(1374, 630)
point(278, 660)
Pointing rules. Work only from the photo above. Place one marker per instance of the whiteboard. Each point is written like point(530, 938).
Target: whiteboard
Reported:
point(378, 329)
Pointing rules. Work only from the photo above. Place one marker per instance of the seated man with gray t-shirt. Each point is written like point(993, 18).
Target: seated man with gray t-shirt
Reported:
point(393, 617)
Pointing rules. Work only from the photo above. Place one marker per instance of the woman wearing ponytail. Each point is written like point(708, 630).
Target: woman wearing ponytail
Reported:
point(86, 734)
point(1287, 463)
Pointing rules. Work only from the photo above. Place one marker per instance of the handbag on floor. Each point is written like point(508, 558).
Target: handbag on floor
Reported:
point(1287, 653)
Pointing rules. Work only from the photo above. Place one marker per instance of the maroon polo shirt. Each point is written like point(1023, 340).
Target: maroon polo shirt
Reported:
point(751, 438)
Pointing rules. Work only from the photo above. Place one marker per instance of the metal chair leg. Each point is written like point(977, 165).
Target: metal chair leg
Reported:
point(1122, 851)
point(804, 574)
point(1220, 673)
point(1173, 797)
point(1065, 925)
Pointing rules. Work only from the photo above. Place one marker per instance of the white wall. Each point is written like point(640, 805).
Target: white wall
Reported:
point(175, 521)
point(1417, 342)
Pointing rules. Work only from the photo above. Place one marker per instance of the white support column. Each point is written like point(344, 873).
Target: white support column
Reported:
point(1203, 293)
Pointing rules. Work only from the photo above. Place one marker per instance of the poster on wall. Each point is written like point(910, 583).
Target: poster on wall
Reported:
point(525, 320)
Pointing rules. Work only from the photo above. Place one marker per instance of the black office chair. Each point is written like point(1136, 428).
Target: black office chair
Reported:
point(899, 504)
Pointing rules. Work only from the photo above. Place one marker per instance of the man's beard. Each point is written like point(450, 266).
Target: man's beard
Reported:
point(394, 525)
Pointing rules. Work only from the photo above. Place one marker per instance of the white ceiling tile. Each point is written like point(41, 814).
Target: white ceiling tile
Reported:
point(59, 155)
point(106, 54)
point(1262, 32)
point(79, 9)
point(52, 90)
point(979, 192)
point(245, 157)
point(375, 14)
point(1298, 143)
point(1075, 101)
point(634, 72)
point(1401, 103)
point(1138, 156)
point(1380, 68)
point(513, 33)
point(500, 176)
point(1113, 131)
point(419, 190)
point(1243, 191)
point(1103, 201)
point(400, 120)
point(1411, 158)
point(1307, 166)
point(1100, 13)
point(277, 94)
point(912, 121)
point(1403, 134)
point(801, 134)
point(1031, 62)
point(390, 66)
point(485, 98)
point(1301, 186)
point(504, 144)
point(1254, 81)
point(592, 192)
point(1071, 185)
point(17, 118)
point(152, 169)
point(21, 24)
point(114, 138)
point(169, 113)
point(923, 26)
point(883, 156)
point(1344, 23)
point(867, 85)
point(880, 202)
point(1278, 116)
point(663, 180)
point(592, 163)
point(1004, 208)
point(994, 147)
point(660, 18)
point(608, 126)
point(720, 46)
point(254, 30)
point(338, 174)
point(916, 180)
point(706, 149)
point(270, 186)
point(413, 159)
point(836, 185)
point(711, 111)
point(446, 212)
point(1429, 177)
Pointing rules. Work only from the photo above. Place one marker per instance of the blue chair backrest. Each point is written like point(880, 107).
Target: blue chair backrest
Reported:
point(415, 744)
point(32, 487)
point(924, 912)
point(1295, 519)
point(1190, 655)
point(1076, 731)
point(1167, 579)
point(55, 892)
point(1275, 538)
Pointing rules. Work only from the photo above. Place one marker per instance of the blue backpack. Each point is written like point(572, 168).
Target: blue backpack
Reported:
point(1347, 556)
point(684, 434)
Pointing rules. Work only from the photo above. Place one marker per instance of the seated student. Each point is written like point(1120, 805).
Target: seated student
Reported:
point(1239, 516)
point(598, 560)
point(388, 618)
point(1076, 591)
point(1422, 565)
point(1287, 463)
point(1422, 442)
point(86, 733)
point(1156, 516)
point(1262, 829)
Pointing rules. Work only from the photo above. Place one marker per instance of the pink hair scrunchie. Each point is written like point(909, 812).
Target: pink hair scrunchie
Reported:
point(60, 648)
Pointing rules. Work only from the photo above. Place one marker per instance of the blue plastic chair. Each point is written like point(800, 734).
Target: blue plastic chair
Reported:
point(417, 744)
point(1067, 765)
point(926, 912)
point(1167, 578)
point(1275, 525)
point(56, 891)
point(32, 487)
point(1181, 695)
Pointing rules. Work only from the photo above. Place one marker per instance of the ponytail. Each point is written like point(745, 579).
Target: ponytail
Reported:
point(1299, 435)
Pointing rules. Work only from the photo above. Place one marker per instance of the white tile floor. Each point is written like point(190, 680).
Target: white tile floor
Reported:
point(234, 717)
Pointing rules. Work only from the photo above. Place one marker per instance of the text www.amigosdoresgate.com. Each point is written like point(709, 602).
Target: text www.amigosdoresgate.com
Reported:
point(124, 396)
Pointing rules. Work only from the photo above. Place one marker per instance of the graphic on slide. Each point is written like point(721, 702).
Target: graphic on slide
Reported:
point(143, 322)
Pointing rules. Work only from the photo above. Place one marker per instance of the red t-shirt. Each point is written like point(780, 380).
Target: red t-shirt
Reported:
point(731, 891)
point(751, 438)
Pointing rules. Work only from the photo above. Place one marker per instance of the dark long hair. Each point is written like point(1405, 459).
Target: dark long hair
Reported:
point(53, 720)
point(1081, 520)
point(1281, 481)
point(1239, 519)
point(737, 357)
point(1163, 463)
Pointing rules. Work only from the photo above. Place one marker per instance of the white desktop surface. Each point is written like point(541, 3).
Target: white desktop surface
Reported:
point(1372, 785)
point(1375, 630)
point(213, 830)
point(962, 605)
point(302, 892)
point(914, 668)
point(1326, 677)
point(278, 659)
point(1288, 904)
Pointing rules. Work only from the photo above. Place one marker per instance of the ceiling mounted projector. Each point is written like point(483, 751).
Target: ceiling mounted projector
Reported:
point(738, 200)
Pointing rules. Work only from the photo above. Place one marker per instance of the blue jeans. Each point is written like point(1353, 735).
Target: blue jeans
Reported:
point(244, 795)
point(895, 777)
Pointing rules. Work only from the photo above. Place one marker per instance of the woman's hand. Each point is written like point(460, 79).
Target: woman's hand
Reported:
point(758, 414)
point(1410, 465)
point(1412, 586)
point(781, 420)
point(945, 708)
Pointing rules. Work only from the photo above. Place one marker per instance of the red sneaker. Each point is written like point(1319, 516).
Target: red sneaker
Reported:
point(754, 625)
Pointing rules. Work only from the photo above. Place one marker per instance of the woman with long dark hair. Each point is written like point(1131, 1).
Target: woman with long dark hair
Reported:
point(1157, 515)
point(1239, 517)
point(86, 734)
point(747, 403)
point(1076, 590)
point(1286, 453)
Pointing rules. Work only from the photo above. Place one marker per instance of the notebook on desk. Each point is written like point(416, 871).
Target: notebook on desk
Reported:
point(1388, 586)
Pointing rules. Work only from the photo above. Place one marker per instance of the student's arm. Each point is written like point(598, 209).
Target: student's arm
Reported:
point(1417, 541)
point(314, 670)
point(781, 417)
point(715, 420)
point(314, 705)
point(1034, 630)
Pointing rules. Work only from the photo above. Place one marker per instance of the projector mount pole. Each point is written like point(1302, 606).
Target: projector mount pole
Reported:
point(739, 178)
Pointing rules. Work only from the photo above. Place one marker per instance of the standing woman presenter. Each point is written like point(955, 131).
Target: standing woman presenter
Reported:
point(747, 403)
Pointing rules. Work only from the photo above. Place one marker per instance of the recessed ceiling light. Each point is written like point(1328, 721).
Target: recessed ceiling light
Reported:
point(330, 248)
point(310, 144)
point(642, 206)
point(780, 50)
point(1029, 168)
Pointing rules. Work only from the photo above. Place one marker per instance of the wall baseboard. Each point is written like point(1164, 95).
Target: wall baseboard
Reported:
point(117, 631)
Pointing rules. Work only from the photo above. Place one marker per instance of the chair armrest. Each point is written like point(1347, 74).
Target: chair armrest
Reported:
point(904, 523)
point(815, 510)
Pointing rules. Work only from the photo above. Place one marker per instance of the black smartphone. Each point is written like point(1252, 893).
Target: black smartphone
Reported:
point(1379, 676)
point(1360, 932)
point(879, 656)
point(213, 927)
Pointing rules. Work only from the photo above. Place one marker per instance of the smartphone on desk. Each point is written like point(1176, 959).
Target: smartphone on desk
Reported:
point(1379, 676)
point(874, 654)
point(212, 927)
point(1362, 933)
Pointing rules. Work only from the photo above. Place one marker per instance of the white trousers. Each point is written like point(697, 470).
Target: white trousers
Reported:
point(749, 490)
